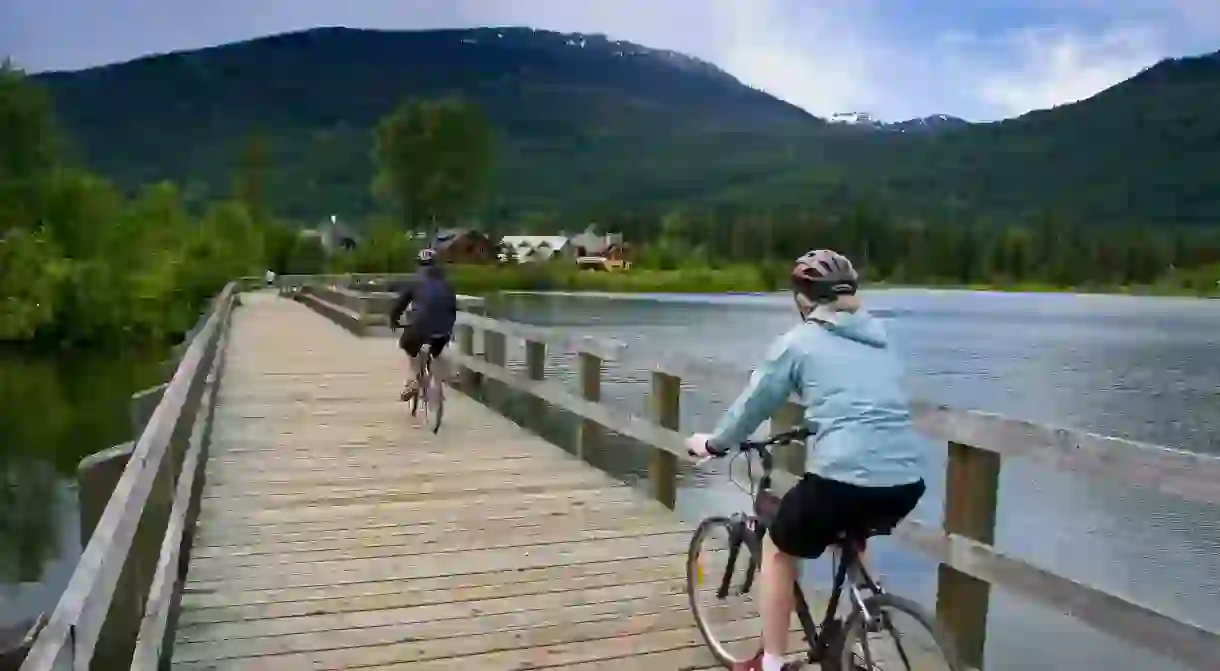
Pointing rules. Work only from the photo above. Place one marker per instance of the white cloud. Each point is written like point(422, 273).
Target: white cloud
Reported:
point(1044, 67)
point(812, 56)
point(818, 57)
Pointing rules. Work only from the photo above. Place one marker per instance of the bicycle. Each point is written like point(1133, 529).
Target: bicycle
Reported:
point(833, 643)
point(431, 395)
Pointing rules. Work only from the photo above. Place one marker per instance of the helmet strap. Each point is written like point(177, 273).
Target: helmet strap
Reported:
point(822, 312)
point(804, 305)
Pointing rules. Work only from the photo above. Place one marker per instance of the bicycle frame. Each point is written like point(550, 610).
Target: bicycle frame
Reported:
point(752, 528)
point(425, 364)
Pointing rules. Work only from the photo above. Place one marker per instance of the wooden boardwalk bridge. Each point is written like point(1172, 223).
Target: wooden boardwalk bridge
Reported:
point(333, 533)
point(302, 521)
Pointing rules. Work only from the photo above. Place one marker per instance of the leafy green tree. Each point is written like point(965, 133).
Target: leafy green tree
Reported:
point(250, 180)
point(433, 161)
point(307, 257)
point(30, 273)
point(28, 146)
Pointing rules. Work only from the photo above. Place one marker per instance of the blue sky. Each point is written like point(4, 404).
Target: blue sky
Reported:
point(980, 59)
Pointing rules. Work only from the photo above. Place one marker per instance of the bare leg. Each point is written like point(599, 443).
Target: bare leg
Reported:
point(777, 598)
point(440, 369)
point(854, 574)
point(412, 371)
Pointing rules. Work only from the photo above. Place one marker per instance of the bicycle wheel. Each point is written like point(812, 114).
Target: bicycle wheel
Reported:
point(435, 400)
point(883, 644)
point(419, 392)
point(719, 573)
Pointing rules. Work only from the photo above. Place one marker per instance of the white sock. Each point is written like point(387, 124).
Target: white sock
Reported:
point(772, 662)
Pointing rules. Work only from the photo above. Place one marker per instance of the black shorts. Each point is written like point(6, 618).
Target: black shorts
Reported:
point(814, 513)
point(411, 342)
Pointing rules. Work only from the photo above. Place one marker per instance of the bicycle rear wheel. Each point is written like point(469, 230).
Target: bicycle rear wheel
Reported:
point(899, 636)
point(416, 398)
point(720, 572)
point(435, 399)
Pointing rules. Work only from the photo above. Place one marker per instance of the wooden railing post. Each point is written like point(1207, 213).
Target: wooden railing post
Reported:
point(535, 369)
point(588, 437)
point(666, 411)
point(972, 482)
point(494, 349)
point(790, 416)
point(465, 337)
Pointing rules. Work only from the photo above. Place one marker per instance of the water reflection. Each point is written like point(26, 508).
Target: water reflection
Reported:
point(54, 410)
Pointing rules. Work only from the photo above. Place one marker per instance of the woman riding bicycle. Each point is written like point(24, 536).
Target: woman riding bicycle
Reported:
point(867, 461)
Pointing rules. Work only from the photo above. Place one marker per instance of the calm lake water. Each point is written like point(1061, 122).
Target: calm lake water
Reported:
point(54, 410)
point(1142, 368)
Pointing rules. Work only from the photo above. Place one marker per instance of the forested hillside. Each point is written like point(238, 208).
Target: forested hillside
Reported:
point(586, 125)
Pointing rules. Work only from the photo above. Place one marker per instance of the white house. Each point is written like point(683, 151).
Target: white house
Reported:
point(532, 248)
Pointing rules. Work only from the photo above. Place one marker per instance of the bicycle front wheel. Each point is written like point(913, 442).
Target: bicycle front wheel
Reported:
point(898, 636)
point(721, 574)
point(417, 397)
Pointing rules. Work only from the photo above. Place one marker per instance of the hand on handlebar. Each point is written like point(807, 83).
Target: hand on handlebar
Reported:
point(696, 445)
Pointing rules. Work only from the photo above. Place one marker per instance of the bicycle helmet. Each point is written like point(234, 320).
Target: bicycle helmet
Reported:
point(427, 256)
point(823, 275)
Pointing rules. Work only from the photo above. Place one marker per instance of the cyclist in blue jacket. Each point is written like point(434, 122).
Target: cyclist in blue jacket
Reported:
point(432, 312)
point(866, 461)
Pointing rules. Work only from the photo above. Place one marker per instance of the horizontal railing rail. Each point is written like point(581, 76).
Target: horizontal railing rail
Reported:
point(361, 311)
point(166, 454)
point(978, 443)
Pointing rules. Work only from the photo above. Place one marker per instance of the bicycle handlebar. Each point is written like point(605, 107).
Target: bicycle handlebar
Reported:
point(759, 445)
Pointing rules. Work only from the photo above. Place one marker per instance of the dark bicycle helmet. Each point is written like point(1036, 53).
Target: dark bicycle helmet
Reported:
point(823, 275)
point(427, 256)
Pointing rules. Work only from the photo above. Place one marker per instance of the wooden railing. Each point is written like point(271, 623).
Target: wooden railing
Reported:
point(978, 443)
point(360, 311)
point(159, 489)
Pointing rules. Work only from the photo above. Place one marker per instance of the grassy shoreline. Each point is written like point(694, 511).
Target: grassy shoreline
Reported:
point(743, 279)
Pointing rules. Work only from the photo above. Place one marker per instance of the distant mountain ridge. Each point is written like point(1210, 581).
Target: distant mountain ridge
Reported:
point(588, 124)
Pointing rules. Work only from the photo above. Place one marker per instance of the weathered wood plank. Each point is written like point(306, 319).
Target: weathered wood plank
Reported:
point(279, 559)
point(440, 508)
point(674, 605)
point(548, 578)
point(504, 534)
point(597, 634)
point(330, 522)
point(445, 563)
point(666, 573)
point(322, 620)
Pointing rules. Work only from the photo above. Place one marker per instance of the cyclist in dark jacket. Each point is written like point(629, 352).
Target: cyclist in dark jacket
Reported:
point(431, 308)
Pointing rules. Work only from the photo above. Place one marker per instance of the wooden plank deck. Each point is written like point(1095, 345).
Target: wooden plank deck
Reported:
point(335, 533)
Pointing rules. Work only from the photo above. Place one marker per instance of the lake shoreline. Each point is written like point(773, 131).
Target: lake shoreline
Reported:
point(742, 280)
point(980, 289)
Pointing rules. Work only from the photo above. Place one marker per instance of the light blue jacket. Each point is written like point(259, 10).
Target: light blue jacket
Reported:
point(850, 382)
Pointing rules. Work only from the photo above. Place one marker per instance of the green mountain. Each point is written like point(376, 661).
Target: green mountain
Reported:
point(588, 124)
